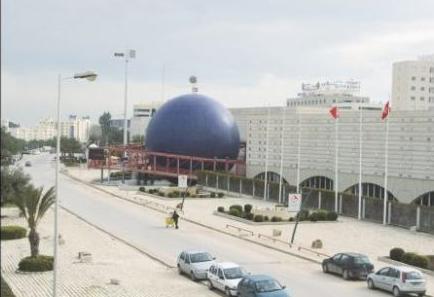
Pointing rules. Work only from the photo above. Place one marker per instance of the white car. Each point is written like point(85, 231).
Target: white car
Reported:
point(225, 277)
point(195, 264)
point(398, 280)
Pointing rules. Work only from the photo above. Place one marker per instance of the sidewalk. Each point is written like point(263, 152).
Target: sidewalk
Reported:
point(139, 276)
point(348, 234)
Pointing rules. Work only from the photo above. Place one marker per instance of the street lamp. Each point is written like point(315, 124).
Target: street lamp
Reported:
point(91, 76)
point(130, 54)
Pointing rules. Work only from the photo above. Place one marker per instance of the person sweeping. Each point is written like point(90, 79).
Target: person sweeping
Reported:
point(175, 217)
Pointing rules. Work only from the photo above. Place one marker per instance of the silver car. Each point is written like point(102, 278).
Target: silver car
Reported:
point(225, 277)
point(398, 280)
point(195, 264)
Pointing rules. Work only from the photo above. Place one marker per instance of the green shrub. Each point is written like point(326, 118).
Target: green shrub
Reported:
point(332, 216)
point(142, 189)
point(161, 194)
point(12, 232)
point(234, 212)
point(221, 194)
point(420, 261)
point(258, 218)
point(321, 215)
point(396, 254)
point(170, 195)
point(247, 208)
point(276, 219)
point(212, 195)
point(313, 217)
point(408, 258)
point(303, 215)
point(249, 216)
point(221, 209)
point(266, 218)
point(236, 206)
point(291, 219)
point(38, 263)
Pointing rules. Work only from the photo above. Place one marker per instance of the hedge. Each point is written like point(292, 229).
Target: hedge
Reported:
point(234, 212)
point(221, 209)
point(247, 208)
point(236, 206)
point(36, 264)
point(258, 218)
point(396, 254)
point(12, 232)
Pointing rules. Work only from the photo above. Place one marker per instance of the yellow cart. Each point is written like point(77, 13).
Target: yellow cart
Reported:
point(170, 222)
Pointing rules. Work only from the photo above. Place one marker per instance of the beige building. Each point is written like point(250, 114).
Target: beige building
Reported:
point(142, 115)
point(413, 84)
point(74, 127)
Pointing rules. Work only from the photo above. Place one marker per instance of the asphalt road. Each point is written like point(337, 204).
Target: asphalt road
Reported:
point(145, 228)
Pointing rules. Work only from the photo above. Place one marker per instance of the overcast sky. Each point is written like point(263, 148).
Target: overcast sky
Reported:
point(244, 53)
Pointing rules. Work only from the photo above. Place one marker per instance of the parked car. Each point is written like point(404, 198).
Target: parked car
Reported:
point(398, 280)
point(195, 263)
point(261, 286)
point(349, 265)
point(28, 164)
point(225, 277)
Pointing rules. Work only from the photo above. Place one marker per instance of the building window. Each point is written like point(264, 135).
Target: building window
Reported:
point(422, 78)
point(422, 98)
point(413, 98)
point(422, 88)
point(413, 88)
point(413, 78)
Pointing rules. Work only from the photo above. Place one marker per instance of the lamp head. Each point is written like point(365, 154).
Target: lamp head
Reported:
point(89, 75)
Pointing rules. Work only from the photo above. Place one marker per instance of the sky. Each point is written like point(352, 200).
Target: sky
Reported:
point(245, 53)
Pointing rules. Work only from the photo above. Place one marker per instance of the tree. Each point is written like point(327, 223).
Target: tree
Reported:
point(95, 134)
point(140, 139)
point(13, 182)
point(69, 145)
point(9, 146)
point(34, 204)
point(104, 122)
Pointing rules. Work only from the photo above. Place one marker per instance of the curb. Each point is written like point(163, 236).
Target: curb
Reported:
point(194, 222)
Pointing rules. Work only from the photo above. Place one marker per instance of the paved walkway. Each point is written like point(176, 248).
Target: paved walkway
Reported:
point(139, 275)
point(348, 234)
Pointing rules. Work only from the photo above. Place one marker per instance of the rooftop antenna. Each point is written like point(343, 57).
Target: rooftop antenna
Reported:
point(193, 82)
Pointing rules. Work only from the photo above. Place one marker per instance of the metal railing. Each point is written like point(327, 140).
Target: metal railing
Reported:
point(240, 229)
point(274, 239)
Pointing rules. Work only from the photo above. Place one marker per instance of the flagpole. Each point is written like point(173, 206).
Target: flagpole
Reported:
point(336, 163)
point(360, 161)
point(266, 153)
point(281, 154)
point(298, 151)
point(386, 157)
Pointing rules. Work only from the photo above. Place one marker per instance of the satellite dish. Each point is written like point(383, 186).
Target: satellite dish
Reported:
point(193, 79)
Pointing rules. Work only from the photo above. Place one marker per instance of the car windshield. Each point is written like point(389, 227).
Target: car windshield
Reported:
point(200, 257)
point(361, 260)
point(268, 285)
point(412, 275)
point(233, 273)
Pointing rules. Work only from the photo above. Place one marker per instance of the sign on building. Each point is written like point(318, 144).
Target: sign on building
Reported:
point(96, 154)
point(182, 181)
point(294, 202)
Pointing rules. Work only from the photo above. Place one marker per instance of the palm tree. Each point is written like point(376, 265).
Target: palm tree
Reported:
point(33, 204)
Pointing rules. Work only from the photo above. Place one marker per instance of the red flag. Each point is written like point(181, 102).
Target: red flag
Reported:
point(334, 112)
point(386, 111)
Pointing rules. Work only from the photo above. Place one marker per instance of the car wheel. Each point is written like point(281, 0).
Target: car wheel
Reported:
point(421, 294)
point(228, 292)
point(179, 270)
point(325, 268)
point(371, 284)
point(210, 286)
point(193, 277)
point(346, 275)
point(396, 292)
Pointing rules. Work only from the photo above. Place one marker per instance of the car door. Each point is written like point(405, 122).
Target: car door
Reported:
point(342, 263)
point(381, 278)
point(212, 275)
point(220, 279)
point(332, 264)
point(186, 267)
point(391, 278)
point(250, 289)
point(181, 261)
point(242, 287)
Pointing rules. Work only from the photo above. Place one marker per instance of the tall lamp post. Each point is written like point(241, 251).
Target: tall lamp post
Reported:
point(91, 76)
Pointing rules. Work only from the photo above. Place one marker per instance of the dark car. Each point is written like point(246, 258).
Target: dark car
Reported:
point(28, 164)
point(349, 265)
point(261, 286)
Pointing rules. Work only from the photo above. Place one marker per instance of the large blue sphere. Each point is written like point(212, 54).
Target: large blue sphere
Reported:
point(194, 125)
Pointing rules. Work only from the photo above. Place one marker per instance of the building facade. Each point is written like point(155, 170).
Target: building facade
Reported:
point(74, 127)
point(413, 84)
point(273, 135)
point(142, 115)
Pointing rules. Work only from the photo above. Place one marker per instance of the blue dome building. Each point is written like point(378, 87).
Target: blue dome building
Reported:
point(194, 125)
